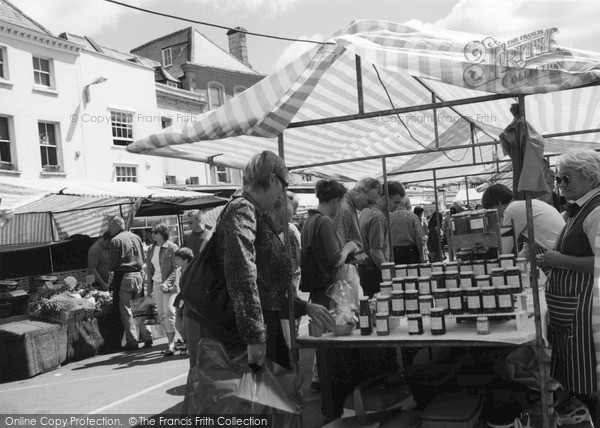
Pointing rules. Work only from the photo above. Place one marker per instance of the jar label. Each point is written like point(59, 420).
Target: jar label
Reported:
point(441, 303)
point(385, 291)
point(483, 327)
point(436, 323)
point(382, 325)
point(413, 326)
point(513, 280)
point(397, 286)
point(425, 271)
point(466, 282)
point(455, 302)
point(473, 302)
point(506, 263)
point(425, 308)
point(413, 272)
point(489, 302)
point(478, 269)
point(498, 280)
point(425, 287)
point(397, 305)
point(364, 321)
point(451, 283)
point(383, 306)
point(386, 275)
point(411, 305)
point(504, 301)
point(410, 286)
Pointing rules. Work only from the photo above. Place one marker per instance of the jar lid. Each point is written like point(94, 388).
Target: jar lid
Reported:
point(482, 318)
point(382, 314)
point(490, 288)
point(437, 310)
point(398, 279)
point(454, 290)
point(396, 292)
point(451, 272)
point(503, 287)
point(437, 264)
point(521, 259)
point(385, 284)
point(425, 264)
point(476, 262)
point(413, 265)
point(426, 297)
point(383, 296)
point(507, 256)
point(411, 292)
point(401, 266)
point(498, 270)
point(411, 278)
point(478, 277)
point(491, 261)
point(467, 273)
point(387, 264)
point(451, 263)
point(512, 268)
point(424, 278)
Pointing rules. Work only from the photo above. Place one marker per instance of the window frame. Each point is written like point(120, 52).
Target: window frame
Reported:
point(221, 88)
point(194, 181)
point(4, 63)
point(218, 172)
point(164, 51)
point(49, 73)
point(170, 179)
point(56, 131)
point(166, 121)
point(127, 169)
point(9, 141)
point(120, 126)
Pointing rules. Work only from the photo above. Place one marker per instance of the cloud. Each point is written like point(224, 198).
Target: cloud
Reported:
point(267, 8)
point(575, 20)
point(296, 49)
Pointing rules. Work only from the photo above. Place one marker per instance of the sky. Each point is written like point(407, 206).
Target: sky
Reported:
point(123, 29)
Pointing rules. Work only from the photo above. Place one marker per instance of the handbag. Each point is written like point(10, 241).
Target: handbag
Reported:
point(313, 276)
point(204, 291)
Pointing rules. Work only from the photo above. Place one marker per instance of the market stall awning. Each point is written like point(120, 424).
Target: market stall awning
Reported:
point(41, 211)
point(400, 67)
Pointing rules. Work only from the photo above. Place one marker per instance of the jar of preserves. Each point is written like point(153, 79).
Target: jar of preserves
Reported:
point(465, 266)
point(411, 302)
point(483, 325)
point(437, 281)
point(507, 260)
point(450, 267)
point(491, 264)
point(364, 317)
point(505, 299)
point(521, 263)
point(489, 302)
point(410, 283)
point(473, 300)
point(440, 299)
point(385, 288)
point(424, 285)
point(498, 277)
point(398, 284)
point(387, 271)
point(437, 267)
point(467, 279)
point(425, 269)
point(415, 325)
point(383, 303)
point(425, 305)
point(483, 281)
point(455, 301)
point(513, 279)
point(437, 322)
point(382, 324)
point(398, 303)
point(401, 270)
point(451, 279)
point(412, 269)
point(478, 267)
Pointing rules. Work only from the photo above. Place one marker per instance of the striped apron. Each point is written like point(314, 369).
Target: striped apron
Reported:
point(571, 298)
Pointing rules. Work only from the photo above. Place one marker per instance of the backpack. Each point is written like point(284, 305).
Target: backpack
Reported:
point(314, 276)
point(204, 291)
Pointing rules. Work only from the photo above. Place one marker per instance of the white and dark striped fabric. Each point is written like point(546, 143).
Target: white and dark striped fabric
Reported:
point(400, 65)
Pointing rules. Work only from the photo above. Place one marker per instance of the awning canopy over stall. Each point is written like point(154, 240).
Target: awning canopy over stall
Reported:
point(369, 91)
point(42, 211)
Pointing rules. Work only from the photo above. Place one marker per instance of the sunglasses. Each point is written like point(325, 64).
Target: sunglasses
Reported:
point(563, 179)
point(284, 183)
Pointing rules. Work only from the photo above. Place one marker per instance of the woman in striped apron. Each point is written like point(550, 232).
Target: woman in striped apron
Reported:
point(572, 293)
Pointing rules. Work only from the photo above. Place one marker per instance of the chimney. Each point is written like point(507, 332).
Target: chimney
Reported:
point(237, 45)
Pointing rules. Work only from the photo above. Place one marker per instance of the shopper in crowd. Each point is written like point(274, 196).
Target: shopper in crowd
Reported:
point(373, 230)
point(282, 214)
point(405, 227)
point(420, 213)
point(571, 294)
point(125, 260)
point(98, 261)
point(365, 192)
point(181, 259)
point(159, 266)
point(256, 266)
point(434, 238)
point(456, 208)
point(547, 222)
point(199, 233)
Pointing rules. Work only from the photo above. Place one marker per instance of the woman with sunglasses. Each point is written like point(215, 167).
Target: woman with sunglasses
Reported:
point(573, 301)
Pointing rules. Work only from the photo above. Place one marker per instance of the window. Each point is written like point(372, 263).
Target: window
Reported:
point(4, 140)
point(48, 143)
point(170, 179)
point(193, 181)
point(3, 73)
point(122, 128)
point(41, 72)
point(223, 175)
point(215, 96)
point(238, 90)
point(126, 173)
point(166, 121)
point(172, 84)
point(167, 59)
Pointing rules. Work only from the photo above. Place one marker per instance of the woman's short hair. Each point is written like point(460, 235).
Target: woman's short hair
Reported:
point(367, 184)
point(258, 170)
point(184, 253)
point(326, 190)
point(162, 229)
point(496, 194)
point(587, 161)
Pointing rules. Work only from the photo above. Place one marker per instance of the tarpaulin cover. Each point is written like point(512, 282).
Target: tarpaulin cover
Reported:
point(401, 65)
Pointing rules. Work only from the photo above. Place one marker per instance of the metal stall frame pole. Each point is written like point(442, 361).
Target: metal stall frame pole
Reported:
point(438, 227)
point(536, 299)
point(294, 350)
point(467, 190)
point(387, 210)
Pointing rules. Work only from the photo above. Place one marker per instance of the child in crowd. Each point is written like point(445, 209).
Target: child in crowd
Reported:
point(182, 258)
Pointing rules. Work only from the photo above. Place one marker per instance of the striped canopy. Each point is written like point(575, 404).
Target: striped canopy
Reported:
point(41, 211)
point(372, 67)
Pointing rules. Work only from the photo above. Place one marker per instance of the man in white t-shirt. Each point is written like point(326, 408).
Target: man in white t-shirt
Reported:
point(547, 221)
